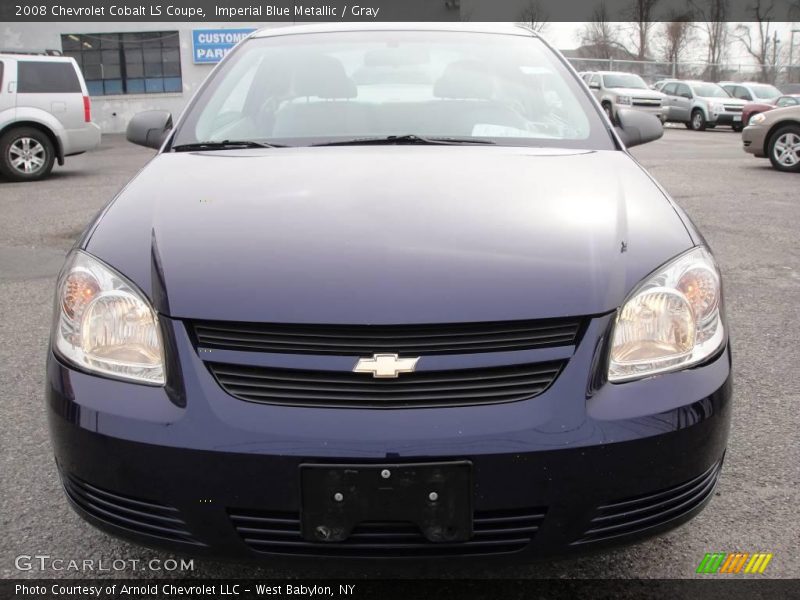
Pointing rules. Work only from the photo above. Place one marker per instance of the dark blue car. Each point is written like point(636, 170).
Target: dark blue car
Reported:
point(390, 292)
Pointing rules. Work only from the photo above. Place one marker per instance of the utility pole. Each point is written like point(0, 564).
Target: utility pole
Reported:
point(774, 74)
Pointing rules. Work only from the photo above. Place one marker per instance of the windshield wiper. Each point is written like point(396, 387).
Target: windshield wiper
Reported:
point(224, 145)
point(406, 139)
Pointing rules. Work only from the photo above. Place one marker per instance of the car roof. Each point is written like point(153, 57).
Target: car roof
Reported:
point(36, 57)
point(466, 27)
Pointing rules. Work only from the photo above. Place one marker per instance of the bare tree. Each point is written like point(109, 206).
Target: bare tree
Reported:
point(534, 16)
point(764, 46)
point(712, 15)
point(675, 38)
point(600, 37)
point(641, 13)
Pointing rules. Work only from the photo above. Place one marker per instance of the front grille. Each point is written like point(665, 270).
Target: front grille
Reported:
point(732, 108)
point(345, 389)
point(143, 517)
point(412, 340)
point(646, 102)
point(495, 532)
point(637, 514)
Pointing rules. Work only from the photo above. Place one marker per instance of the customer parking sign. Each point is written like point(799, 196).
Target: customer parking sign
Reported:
point(211, 45)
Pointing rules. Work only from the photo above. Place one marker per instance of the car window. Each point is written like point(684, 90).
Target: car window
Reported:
point(318, 88)
point(737, 91)
point(34, 77)
point(787, 101)
point(684, 91)
point(624, 80)
point(595, 80)
point(670, 89)
point(709, 90)
point(765, 92)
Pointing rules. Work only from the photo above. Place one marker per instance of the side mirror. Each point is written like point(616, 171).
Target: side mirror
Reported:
point(149, 128)
point(636, 127)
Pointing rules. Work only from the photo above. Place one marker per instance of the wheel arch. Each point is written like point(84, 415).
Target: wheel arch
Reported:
point(54, 139)
point(774, 129)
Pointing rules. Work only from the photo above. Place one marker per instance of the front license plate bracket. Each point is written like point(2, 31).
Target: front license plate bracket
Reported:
point(437, 497)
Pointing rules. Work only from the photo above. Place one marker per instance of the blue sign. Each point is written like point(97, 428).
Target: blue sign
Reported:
point(211, 45)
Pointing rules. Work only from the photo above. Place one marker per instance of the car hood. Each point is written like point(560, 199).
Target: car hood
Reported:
point(779, 114)
point(390, 234)
point(728, 101)
point(638, 92)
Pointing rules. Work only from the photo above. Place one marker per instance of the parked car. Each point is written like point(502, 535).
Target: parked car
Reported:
point(751, 109)
point(390, 321)
point(45, 114)
point(658, 85)
point(751, 92)
point(776, 135)
point(701, 104)
point(615, 90)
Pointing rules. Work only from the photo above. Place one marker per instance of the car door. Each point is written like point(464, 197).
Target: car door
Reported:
point(683, 102)
point(53, 87)
point(594, 85)
point(8, 95)
point(668, 89)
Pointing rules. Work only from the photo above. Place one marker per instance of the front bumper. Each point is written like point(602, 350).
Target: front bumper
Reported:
point(657, 111)
point(555, 474)
point(726, 118)
point(753, 141)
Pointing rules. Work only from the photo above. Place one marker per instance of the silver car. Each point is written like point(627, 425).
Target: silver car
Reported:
point(616, 90)
point(45, 114)
point(701, 105)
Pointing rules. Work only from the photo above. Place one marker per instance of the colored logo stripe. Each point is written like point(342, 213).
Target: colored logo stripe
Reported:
point(723, 562)
point(758, 563)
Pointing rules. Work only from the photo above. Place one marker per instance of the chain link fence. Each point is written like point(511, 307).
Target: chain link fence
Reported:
point(652, 71)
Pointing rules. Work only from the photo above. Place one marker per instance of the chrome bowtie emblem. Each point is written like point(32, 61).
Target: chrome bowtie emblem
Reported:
point(385, 365)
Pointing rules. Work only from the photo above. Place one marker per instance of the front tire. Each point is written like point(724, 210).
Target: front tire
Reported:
point(783, 149)
point(698, 122)
point(26, 154)
point(737, 127)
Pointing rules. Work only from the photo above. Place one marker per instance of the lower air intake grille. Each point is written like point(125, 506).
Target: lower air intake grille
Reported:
point(495, 532)
point(637, 514)
point(138, 516)
point(344, 389)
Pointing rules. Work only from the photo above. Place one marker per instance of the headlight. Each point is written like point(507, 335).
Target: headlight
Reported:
point(757, 119)
point(104, 324)
point(624, 100)
point(718, 108)
point(670, 321)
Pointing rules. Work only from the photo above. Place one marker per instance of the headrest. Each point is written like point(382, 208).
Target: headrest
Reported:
point(464, 79)
point(324, 77)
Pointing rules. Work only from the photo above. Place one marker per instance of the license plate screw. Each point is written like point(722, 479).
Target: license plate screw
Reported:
point(322, 532)
point(338, 496)
point(386, 473)
point(433, 496)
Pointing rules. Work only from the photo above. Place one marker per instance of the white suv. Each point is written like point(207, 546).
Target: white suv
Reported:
point(45, 114)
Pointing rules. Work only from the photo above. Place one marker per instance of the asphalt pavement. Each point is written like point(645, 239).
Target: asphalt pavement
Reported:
point(750, 215)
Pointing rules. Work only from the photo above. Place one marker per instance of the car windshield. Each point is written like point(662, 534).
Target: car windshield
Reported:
point(709, 90)
point(321, 88)
point(765, 91)
point(624, 80)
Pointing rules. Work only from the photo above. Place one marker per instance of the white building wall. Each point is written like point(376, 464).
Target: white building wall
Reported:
point(112, 113)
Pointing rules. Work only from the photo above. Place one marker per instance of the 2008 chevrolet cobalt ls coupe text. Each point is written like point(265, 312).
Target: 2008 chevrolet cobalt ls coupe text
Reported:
point(393, 292)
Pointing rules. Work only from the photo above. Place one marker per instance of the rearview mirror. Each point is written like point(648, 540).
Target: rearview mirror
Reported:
point(636, 127)
point(149, 128)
